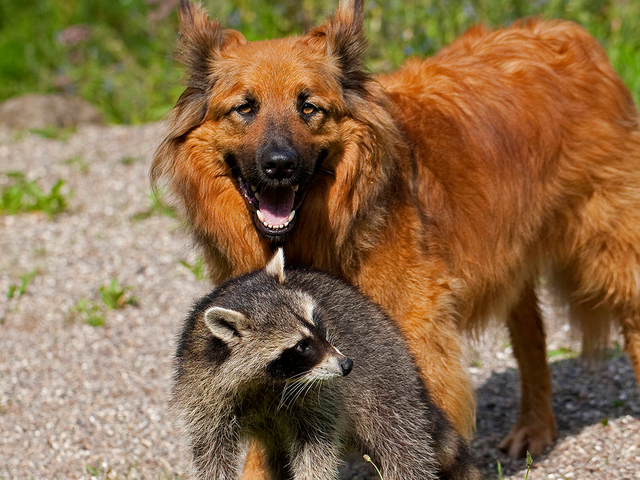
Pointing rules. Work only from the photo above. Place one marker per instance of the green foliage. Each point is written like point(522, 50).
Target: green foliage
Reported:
point(93, 471)
point(89, 312)
point(24, 282)
point(499, 470)
point(118, 54)
point(562, 352)
point(54, 133)
point(17, 195)
point(113, 295)
point(115, 54)
point(79, 163)
point(529, 462)
point(615, 352)
point(157, 207)
point(197, 268)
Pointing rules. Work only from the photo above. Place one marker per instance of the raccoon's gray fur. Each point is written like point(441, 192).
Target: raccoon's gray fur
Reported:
point(260, 357)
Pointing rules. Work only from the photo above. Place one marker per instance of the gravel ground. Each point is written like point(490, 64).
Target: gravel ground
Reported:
point(78, 401)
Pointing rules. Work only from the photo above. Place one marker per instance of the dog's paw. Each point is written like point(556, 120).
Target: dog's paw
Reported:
point(531, 435)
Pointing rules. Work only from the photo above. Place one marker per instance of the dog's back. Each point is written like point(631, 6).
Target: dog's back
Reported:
point(527, 147)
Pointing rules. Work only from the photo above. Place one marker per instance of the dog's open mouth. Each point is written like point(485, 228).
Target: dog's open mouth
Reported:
point(273, 208)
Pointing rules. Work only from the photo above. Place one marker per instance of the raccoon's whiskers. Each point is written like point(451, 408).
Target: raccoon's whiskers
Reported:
point(291, 389)
point(296, 393)
point(308, 389)
point(287, 393)
point(304, 385)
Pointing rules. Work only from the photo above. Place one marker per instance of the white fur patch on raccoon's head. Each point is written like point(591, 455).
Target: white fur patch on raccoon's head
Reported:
point(275, 266)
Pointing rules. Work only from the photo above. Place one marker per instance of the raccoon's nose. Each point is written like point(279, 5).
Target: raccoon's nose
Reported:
point(280, 164)
point(345, 366)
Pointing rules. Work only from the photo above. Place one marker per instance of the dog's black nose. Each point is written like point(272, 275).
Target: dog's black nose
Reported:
point(346, 365)
point(279, 164)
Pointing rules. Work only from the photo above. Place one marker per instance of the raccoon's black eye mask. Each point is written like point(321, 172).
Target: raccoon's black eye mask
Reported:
point(296, 360)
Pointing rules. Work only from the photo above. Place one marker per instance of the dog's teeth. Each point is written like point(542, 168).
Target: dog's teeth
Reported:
point(291, 215)
point(295, 188)
point(253, 188)
point(260, 216)
point(257, 195)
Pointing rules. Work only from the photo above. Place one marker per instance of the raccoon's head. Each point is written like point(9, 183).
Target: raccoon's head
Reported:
point(274, 332)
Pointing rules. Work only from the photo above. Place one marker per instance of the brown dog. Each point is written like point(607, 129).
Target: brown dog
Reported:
point(444, 190)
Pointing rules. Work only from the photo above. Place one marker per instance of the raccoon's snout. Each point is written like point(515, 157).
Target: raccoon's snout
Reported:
point(279, 164)
point(345, 366)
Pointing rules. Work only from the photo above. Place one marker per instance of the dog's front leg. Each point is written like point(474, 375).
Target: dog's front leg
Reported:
point(536, 428)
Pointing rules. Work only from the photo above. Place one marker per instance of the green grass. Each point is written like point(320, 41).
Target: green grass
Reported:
point(88, 312)
point(113, 295)
point(197, 267)
point(615, 352)
point(128, 160)
point(17, 195)
point(562, 352)
point(54, 133)
point(78, 162)
point(118, 54)
point(529, 461)
point(21, 289)
point(156, 207)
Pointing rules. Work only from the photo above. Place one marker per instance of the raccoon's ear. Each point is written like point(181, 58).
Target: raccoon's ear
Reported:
point(343, 38)
point(275, 266)
point(225, 324)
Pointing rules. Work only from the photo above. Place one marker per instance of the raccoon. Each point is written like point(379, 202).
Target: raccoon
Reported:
point(261, 357)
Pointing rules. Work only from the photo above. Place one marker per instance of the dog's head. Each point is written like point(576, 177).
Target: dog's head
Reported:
point(278, 141)
point(265, 114)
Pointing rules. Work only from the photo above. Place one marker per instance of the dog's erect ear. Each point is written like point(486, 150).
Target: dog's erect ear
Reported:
point(275, 266)
point(342, 37)
point(201, 40)
point(225, 324)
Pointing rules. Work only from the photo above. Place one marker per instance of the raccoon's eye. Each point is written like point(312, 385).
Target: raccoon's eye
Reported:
point(302, 347)
point(309, 109)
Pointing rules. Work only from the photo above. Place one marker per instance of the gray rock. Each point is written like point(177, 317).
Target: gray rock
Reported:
point(39, 111)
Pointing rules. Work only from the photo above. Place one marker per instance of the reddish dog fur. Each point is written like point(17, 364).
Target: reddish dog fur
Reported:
point(444, 190)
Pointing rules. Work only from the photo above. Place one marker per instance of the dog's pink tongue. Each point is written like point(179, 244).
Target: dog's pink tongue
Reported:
point(276, 205)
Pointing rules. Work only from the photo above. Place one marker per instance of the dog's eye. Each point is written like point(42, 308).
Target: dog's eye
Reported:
point(309, 109)
point(245, 109)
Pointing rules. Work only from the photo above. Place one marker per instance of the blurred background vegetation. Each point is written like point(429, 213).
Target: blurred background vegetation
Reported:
point(117, 54)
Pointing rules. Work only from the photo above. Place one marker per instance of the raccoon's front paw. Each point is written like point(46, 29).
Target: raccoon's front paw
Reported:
point(529, 434)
